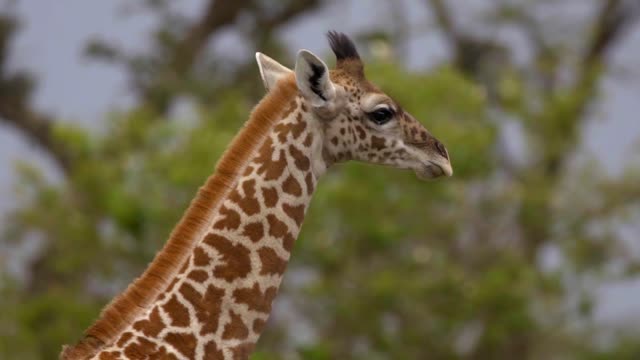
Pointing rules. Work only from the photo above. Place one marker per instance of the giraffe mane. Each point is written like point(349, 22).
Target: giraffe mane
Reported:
point(140, 294)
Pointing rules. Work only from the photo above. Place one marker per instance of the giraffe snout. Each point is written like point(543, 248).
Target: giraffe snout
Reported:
point(433, 159)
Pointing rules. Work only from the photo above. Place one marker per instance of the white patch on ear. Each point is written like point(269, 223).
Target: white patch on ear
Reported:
point(312, 77)
point(271, 71)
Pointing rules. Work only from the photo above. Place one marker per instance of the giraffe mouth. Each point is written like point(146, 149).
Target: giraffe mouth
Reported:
point(433, 170)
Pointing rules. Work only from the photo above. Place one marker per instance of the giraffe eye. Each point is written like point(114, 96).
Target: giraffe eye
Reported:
point(381, 116)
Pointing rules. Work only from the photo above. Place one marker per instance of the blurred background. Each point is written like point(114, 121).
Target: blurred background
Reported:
point(112, 113)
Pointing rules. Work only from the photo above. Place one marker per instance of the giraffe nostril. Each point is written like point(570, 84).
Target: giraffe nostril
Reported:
point(442, 150)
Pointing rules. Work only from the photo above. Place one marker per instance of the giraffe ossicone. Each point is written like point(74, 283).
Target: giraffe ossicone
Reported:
point(208, 292)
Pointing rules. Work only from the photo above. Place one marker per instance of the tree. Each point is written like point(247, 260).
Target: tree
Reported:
point(443, 270)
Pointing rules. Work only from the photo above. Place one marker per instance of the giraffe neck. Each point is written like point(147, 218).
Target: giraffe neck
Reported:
point(223, 295)
point(218, 301)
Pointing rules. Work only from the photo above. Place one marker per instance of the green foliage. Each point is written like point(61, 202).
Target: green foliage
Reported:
point(391, 267)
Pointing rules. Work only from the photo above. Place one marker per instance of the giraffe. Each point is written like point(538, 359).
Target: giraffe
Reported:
point(208, 292)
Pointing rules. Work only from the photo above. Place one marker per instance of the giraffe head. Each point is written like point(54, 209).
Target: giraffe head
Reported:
point(358, 120)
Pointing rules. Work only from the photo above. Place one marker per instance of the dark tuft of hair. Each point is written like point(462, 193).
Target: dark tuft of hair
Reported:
point(342, 46)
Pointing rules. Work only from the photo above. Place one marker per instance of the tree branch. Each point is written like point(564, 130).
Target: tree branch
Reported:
point(470, 53)
point(216, 15)
point(614, 18)
point(443, 17)
point(448, 28)
point(37, 128)
point(293, 9)
point(15, 93)
point(611, 23)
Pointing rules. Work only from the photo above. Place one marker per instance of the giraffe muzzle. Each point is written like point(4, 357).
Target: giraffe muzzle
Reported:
point(432, 170)
point(433, 159)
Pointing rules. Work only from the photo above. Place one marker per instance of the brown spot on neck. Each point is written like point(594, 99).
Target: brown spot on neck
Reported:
point(258, 325)
point(300, 159)
point(200, 257)
point(267, 166)
point(294, 212)
point(235, 328)
point(230, 219)
point(271, 262)
point(212, 352)
point(295, 129)
point(248, 203)
point(292, 186)
point(270, 196)
point(309, 182)
point(152, 326)
point(124, 339)
point(242, 351)
point(184, 343)
point(236, 262)
point(177, 312)
point(255, 298)
point(199, 276)
point(140, 349)
point(254, 231)
point(207, 305)
point(279, 229)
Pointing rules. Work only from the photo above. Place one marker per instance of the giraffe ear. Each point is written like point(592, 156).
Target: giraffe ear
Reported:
point(270, 70)
point(312, 77)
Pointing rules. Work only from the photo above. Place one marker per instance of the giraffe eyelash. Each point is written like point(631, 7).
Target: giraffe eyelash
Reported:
point(381, 115)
